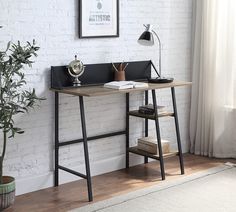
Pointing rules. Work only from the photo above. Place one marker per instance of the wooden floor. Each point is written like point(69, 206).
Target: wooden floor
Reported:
point(74, 195)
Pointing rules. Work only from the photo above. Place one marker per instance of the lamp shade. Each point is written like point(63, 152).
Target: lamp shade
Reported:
point(146, 39)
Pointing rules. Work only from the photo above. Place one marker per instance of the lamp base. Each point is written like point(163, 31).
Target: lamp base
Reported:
point(161, 80)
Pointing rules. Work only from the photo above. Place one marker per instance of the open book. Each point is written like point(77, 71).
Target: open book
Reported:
point(125, 84)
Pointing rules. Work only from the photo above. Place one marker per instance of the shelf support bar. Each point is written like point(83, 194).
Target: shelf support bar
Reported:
point(146, 124)
point(177, 130)
point(158, 135)
point(56, 172)
point(127, 130)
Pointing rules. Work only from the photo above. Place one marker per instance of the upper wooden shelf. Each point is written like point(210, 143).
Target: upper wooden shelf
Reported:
point(147, 116)
point(91, 91)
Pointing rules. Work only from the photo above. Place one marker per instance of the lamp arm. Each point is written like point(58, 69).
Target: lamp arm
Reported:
point(159, 42)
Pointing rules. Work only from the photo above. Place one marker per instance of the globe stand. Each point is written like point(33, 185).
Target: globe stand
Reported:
point(76, 69)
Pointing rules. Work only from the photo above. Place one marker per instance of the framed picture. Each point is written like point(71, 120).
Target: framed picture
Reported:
point(99, 18)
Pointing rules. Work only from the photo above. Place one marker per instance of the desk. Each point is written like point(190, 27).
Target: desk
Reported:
point(92, 91)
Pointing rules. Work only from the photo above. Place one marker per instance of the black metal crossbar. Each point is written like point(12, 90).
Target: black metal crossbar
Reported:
point(65, 143)
point(72, 172)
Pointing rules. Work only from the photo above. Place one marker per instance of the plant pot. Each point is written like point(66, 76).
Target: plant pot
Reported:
point(7, 192)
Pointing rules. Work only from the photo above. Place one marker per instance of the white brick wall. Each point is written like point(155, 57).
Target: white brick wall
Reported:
point(54, 25)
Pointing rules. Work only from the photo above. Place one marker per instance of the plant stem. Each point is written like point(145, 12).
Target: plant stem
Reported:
point(3, 154)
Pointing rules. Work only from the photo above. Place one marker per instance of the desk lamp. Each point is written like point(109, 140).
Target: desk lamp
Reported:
point(147, 39)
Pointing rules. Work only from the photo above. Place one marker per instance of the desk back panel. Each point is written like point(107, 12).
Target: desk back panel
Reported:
point(95, 74)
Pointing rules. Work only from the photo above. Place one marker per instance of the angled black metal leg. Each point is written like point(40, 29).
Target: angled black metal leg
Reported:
point(146, 124)
point(158, 135)
point(86, 154)
point(177, 130)
point(56, 172)
point(127, 130)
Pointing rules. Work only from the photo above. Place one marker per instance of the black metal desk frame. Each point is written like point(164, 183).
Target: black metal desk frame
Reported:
point(85, 138)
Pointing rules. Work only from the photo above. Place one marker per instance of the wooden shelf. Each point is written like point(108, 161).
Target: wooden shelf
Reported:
point(137, 151)
point(140, 115)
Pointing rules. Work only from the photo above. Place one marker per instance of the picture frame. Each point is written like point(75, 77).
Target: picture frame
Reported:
point(98, 18)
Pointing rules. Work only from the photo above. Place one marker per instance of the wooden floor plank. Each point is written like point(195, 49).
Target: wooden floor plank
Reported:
point(73, 195)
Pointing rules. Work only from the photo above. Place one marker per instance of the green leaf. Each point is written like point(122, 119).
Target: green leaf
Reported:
point(8, 46)
point(14, 98)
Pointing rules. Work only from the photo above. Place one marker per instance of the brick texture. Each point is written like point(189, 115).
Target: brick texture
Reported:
point(54, 25)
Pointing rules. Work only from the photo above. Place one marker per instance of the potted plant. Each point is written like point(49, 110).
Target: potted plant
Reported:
point(15, 99)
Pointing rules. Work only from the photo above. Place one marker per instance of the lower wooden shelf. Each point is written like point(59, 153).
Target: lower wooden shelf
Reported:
point(137, 151)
